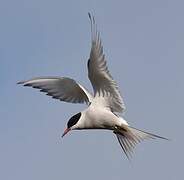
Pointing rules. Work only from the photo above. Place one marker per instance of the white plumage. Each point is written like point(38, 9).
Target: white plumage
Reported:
point(102, 105)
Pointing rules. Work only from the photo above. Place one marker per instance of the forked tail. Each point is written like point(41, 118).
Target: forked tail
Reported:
point(129, 137)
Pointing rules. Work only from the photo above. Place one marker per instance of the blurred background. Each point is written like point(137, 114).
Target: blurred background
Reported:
point(143, 42)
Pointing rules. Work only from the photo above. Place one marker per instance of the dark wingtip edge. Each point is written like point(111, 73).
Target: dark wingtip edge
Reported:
point(89, 15)
point(20, 82)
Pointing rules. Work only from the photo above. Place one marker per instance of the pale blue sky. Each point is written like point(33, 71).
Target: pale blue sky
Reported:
point(143, 42)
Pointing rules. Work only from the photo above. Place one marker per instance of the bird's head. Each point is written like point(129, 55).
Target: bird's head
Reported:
point(71, 123)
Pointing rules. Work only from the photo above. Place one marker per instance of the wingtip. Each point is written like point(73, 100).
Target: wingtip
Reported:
point(89, 15)
point(20, 82)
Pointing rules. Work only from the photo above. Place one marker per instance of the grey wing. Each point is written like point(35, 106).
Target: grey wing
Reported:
point(62, 88)
point(105, 88)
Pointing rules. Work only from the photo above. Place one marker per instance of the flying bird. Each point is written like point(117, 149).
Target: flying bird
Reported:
point(103, 106)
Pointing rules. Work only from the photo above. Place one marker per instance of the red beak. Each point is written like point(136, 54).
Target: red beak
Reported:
point(66, 131)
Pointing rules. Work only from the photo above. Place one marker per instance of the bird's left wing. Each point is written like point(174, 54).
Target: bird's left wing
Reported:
point(104, 86)
point(62, 88)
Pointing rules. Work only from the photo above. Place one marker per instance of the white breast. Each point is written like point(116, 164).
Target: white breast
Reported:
point(98, 118)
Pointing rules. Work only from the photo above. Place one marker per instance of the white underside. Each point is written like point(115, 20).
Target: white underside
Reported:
point(98, 117)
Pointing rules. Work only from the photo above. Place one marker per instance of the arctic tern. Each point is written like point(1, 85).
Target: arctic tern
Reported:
point(103, 107)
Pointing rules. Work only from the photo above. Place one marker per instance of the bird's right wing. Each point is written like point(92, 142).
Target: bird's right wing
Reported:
point(62, 88)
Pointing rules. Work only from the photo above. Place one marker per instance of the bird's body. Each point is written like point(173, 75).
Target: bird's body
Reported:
point(97, 117)
point(103, 107)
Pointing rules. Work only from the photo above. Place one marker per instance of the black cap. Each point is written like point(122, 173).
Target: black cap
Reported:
point(73, 120)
